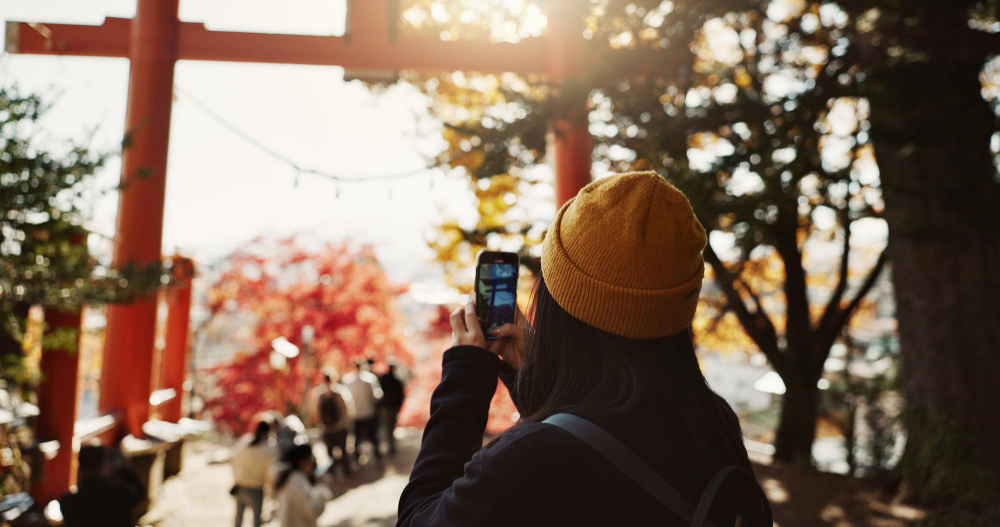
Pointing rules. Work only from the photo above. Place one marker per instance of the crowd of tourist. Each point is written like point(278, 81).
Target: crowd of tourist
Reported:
point(351, 413)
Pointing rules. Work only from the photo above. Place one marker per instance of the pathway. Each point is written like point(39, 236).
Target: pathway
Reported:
point(199, 496)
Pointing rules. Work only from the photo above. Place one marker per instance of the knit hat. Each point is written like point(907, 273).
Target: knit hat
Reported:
point(624, 256)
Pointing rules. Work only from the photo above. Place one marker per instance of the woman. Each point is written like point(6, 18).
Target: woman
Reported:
point(300, 499)
point(251, 473)
point(611, 343)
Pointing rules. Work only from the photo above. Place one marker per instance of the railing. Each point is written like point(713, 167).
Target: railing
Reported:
point(95, 427)
point(160, 397)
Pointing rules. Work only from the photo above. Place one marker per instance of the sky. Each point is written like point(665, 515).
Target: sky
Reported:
point(222, 190)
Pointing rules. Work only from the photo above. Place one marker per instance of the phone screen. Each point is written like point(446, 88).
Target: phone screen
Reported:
point(496, 294)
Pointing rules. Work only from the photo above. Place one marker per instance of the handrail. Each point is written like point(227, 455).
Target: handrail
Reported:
point(87, 429)
point(162, 396)
point(167, 431)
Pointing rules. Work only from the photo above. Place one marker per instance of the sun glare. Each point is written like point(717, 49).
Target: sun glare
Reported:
point(503, 21)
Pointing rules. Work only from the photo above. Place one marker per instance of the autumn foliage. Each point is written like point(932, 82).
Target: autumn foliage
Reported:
point(339, 289)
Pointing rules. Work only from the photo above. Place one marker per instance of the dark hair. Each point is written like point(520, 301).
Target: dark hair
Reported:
point(570, 364)
point(260, 433)
point(92, 458)
point(293, 458)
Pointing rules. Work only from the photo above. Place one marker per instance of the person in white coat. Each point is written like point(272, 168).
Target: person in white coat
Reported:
point(251, 473)
point(366, 393)
point(301, 500)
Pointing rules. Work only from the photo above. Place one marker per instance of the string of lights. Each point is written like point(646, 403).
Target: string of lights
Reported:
point(181, 94)
point(299, 169)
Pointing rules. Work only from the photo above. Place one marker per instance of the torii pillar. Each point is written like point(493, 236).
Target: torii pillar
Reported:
point(126, 378)
point(173, 367)
point(570, 137)
point(57, 401)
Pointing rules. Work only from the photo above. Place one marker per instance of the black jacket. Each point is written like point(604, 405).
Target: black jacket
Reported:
point(393, 394)
point(535, 474)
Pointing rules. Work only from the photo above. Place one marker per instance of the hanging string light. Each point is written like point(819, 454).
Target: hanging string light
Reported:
point(183, 94)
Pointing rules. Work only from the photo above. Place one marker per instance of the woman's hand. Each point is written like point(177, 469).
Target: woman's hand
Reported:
point(509, 345)
point(510, 340)
point(465, 330)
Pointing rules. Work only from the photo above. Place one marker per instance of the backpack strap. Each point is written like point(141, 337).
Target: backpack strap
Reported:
point(701, 513)
point(628, 462)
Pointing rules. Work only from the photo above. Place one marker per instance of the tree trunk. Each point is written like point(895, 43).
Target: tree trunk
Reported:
point(797, 429)
point(931, 130)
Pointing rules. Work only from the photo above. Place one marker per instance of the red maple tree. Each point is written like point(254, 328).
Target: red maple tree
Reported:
point(339, 289)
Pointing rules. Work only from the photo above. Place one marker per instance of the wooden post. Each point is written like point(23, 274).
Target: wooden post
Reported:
point(570, 137)
point(173, 366)
point(57, 401)
point(573, 158)
point(128, 351)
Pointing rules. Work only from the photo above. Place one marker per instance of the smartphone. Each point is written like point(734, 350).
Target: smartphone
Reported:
point(496, 289)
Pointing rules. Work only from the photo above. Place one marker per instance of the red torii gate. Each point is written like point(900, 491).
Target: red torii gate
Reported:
point(154, 40)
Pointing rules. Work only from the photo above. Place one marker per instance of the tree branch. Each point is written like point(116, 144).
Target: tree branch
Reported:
point(838, 293)
point(798, 326)
point(843, 316)
point(757, 325)
point(866, 286)
point(758, 307)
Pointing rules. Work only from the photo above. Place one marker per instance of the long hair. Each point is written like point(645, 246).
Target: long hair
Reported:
point(260, 433)
point(292, 460)
point(569, 364)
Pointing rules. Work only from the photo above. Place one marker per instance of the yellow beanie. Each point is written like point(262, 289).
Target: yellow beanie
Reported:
point(624, 256)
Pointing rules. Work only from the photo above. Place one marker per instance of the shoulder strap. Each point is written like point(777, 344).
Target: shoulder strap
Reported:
point(627, 461)
point(701, 513)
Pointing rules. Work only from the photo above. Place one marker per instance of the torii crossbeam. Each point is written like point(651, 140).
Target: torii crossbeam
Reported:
point(155, 39)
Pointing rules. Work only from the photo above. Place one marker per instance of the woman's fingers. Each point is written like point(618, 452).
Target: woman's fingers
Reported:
point(508, 330)
point(458, 331)
point(457, 321)
point(471, 322)
point(465, 329)
point(509, 344)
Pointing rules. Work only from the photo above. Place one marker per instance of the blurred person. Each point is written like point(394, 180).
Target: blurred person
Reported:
point(335, 406)
point(312, 403)
point(393, 395)
point(609, 372)
point(104, 496)
point(289, 431)
point(301, 499)
point(251, 474)
point(366, 393)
